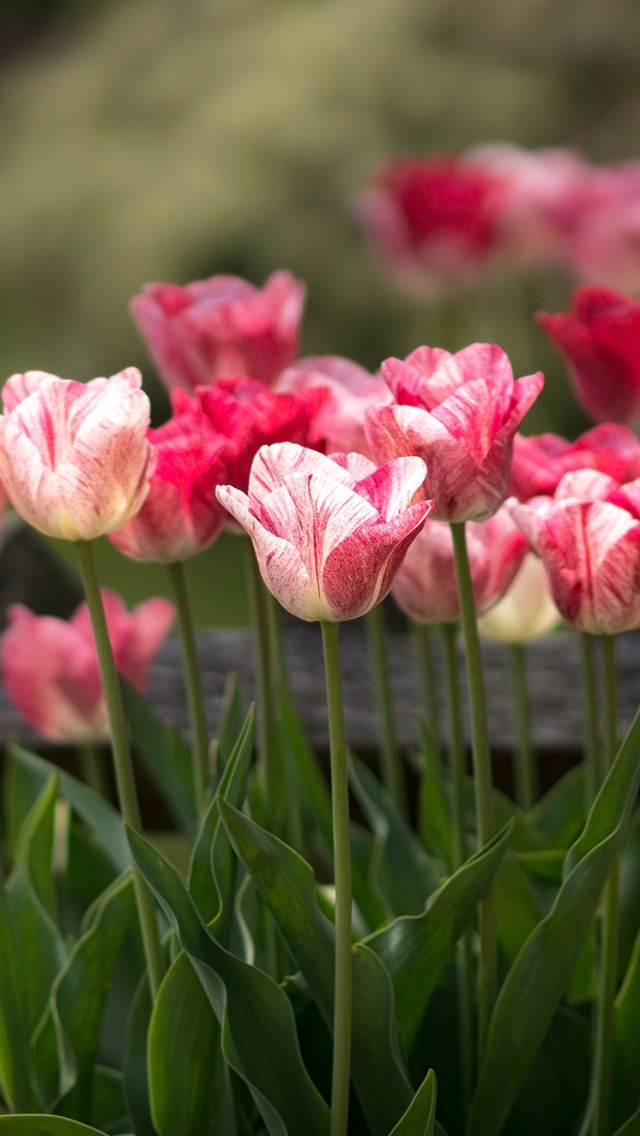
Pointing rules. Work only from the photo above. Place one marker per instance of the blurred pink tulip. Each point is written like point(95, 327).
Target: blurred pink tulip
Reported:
point(74, 458)
point(605, 245)
point(351, 390)
point(426, 589)
point(459, 413)
point(526, 611)
point(588, 538)
point(50, 666)
point(220, 327)
point(329, 534)
point(541, 461)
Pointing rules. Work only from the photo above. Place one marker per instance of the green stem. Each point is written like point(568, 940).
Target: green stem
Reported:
point(464, 960)
point(429, 696)
point(591, 737)
point(194, 685)
point(488, 960)
point(525, 773)
point(605, 1031)
point(391, 765)
point(93, 770)
point(267, 753)
point(342, 877)
point(125, 781)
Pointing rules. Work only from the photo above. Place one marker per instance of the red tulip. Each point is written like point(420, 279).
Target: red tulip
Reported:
point(599, 339)
point(426, 589)
point(350, 391)
point(588, 537)
point(459, 413)
point(329, 535)
point(220, 327)
point(540, 462)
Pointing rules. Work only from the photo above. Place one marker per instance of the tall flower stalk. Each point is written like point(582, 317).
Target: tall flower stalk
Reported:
point(193, 683)
point(391, 765)
point(263, 647)
point(591, 730)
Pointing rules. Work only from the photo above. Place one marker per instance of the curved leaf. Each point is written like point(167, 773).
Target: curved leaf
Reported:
point(135, 1080)
point(627, 1051)
point(166, 756)
point(15, 1054)
point(42, 1125)
point(631, 1127)
point(420, 1117)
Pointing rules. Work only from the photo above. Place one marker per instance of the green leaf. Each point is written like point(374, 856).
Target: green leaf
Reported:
point(15, 1055)
point(287, 885)
point(536, 982)
point(188, 1078)
point(631, 1127)
point(629, 884)
point(43, 1125)
point(555, 1089)
point(627, 1040)
point(517, 909)
point(313, 780)
point(98, 814)
point(401, 871)
point(420, 1117)
point(259, 1038)
point(435, 821)
point(108, 1106)
point(166, 756)
point(136, 1085)
point(560, 814)
point(416, 949)
point(232, 720)
point(545, 865)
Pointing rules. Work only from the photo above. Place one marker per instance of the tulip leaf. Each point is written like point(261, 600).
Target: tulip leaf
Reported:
point(188, 1077)
point(560, 814)
point(232, 720)
point(631, 1127)
point(259, 1039)
point(416, 949)
point(545, 866)
point(401, 871)
point(420, 1117)
point(435, 822)
point(98, 814)
point(517, 909)
point(287, 886)
point(313, 780)
point(166, 756)
point(554, 1091)
point(135, 1080)
point(538, 978)
point(629, 872)
point(627, 1039)
point(43, 1125)
point(108, 1106)
point(66, 1040)
point(15, 1053)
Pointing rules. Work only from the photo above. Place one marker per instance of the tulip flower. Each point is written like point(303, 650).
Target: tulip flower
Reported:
point(220, 327)
point(588, 538)
point(540, 462)
point(459, 413)
point(604, 244)
point(526, 611)
point(350, 391)
point(426, 588)
point(599, 339)
point(329, 537)
point(74, 458)
point(50, 666)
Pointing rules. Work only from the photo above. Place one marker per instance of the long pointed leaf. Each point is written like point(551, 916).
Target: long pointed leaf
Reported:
point(420, 1117)
point(43, 1125)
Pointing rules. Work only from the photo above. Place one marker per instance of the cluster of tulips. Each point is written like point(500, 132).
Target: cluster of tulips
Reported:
point(440, 223)
point(265, 1002)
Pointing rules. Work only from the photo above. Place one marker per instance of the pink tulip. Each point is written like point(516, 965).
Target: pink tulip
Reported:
point(329, 534)
point(588, 537)
point(351, 390)
point(220, 327)
point(540, 462)
point(459, 413)
point(74, 458)
point(181, 515)
point(426, 589)
point(606, 238)
point(50, 666)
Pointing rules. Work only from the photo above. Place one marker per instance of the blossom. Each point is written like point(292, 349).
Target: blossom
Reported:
point(329, 533)
point(526, 611)
point(426, 588)
point(599, 339)
point(74, 458)
point(459, 413)
point(50, 666)
point(605, 240)
point(540, 461)
point(350, 391)
point(220, 327)
point(181, 515)
point(588, 538)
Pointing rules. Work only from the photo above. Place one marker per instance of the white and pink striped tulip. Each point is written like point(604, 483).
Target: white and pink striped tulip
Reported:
point(329, 534)
point(74, 457)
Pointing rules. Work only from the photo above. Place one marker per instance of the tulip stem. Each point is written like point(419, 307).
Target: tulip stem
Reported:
point(525, 773)
point(457, 758)
point(267, 755)
point(93, 770)
point(591, 736)
point(125, 780)
point(429, 698)
point(342, 879)
point(194, 685)
point(605, 1029)
point(488, 961)
point(391, 765)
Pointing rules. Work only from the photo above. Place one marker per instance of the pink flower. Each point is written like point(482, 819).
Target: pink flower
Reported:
point(74, 458)
point(220, 327)
point(526, 611)
point(588, 537)
point(459, 413)
point(351, 390)
point(329, 534)
point(599, 339)
point(181, 515)
point(540, 462)
point(605, 245)
point(425, 587)
point(50, 666)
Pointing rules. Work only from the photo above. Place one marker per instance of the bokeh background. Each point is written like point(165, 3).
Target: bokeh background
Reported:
point(172, 139)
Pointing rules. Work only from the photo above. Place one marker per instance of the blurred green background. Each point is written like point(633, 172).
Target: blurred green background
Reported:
point(171, 139)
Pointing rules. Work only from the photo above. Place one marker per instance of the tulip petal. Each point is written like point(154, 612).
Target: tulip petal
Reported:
point(272, 464)
point(391, 488)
